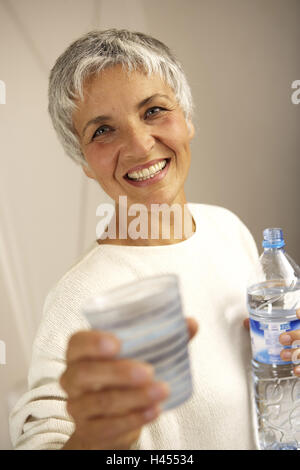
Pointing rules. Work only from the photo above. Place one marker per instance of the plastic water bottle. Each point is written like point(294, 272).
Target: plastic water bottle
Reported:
point(273, 296)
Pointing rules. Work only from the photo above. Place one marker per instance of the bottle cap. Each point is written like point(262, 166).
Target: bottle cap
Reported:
point(273, 238)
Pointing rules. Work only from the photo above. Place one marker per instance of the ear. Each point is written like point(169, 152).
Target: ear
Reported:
point(191, 129)
point(89, 173)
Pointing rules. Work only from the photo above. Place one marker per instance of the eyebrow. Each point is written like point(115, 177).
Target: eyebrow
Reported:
point(99, 119)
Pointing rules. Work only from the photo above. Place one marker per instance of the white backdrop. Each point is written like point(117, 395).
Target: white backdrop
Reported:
point(241, 57)
point(47, 205)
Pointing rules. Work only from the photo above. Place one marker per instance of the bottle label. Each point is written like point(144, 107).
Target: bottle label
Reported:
point(265, 340)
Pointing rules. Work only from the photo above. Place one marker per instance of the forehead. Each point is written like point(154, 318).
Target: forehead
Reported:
point(117, 82)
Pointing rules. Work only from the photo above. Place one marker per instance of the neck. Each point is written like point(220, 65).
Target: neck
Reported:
point(159, 224)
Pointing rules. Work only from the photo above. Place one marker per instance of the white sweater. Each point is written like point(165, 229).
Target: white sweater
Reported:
point(213, 266)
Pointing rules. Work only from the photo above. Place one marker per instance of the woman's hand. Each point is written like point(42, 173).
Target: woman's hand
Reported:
point(291, 338)
point(288, 338)
point(110, 399)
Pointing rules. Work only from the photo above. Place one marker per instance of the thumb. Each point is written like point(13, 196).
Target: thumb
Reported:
point(192, 326)
point(246, 323)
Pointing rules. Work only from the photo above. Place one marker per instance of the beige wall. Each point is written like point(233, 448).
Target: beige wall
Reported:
point(241, 57)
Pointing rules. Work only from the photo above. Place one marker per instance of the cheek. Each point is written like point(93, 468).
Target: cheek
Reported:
point(100, 159)
point(176, 135)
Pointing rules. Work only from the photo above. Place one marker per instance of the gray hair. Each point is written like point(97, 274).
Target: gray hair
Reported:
point(96, 51)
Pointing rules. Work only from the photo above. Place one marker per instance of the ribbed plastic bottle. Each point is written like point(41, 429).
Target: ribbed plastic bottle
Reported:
point(273, 296)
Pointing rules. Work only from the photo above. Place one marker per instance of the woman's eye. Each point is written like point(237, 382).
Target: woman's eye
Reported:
point(100, 131)
point(154, 110)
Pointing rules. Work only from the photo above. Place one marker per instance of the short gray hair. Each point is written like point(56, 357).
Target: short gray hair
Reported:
point(96, 51)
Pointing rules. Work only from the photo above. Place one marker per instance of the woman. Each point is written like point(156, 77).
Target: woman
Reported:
point(122, 108)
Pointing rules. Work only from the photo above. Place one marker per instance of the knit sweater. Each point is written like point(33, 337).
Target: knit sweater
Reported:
point(213, 266)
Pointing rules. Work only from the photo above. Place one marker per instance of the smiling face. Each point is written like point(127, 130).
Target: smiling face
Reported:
point(131, 123)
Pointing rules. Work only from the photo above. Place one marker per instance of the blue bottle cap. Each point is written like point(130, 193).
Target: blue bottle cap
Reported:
point(273, 238)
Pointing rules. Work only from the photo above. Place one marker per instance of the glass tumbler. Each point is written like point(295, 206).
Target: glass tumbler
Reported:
point(146, 315)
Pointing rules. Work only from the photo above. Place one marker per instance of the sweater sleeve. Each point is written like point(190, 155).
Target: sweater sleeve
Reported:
point(39, 420)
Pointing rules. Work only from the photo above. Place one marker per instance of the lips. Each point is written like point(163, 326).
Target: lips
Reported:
point(160, 175)
point(146, 165)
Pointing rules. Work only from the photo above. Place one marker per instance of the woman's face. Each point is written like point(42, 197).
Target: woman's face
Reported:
point(128, 120)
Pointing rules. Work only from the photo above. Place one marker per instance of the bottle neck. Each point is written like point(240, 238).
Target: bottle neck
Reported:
point(274, 249)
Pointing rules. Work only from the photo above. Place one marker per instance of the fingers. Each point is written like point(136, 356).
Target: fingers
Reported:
point(87, 375)
point(92, 344)
point(116, 402)
point(291, 338)
point(113, 427)
point(95, 344)
point(110, 399)
point(246, 323)
point(192, 326)
point(292, 355)
point(116, 431)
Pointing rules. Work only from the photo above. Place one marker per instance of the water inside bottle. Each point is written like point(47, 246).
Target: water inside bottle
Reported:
point(276, 388)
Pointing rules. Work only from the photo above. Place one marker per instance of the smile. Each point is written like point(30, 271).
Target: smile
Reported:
point(149, 175)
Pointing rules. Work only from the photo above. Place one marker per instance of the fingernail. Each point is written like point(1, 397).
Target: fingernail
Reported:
point(140, 373)
point(286, 354)
point(107, 346)
point(297, 370)
point(151, 413)
point(158, 390)
point(285, 339)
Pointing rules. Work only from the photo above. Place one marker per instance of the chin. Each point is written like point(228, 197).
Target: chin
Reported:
point(160, 199)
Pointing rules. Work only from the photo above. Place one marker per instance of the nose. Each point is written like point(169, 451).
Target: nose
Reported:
point(138, 141)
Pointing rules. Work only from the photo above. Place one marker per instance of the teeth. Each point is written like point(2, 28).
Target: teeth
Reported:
point(147, 173)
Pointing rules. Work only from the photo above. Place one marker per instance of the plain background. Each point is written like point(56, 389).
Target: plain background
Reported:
point(240, 57)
